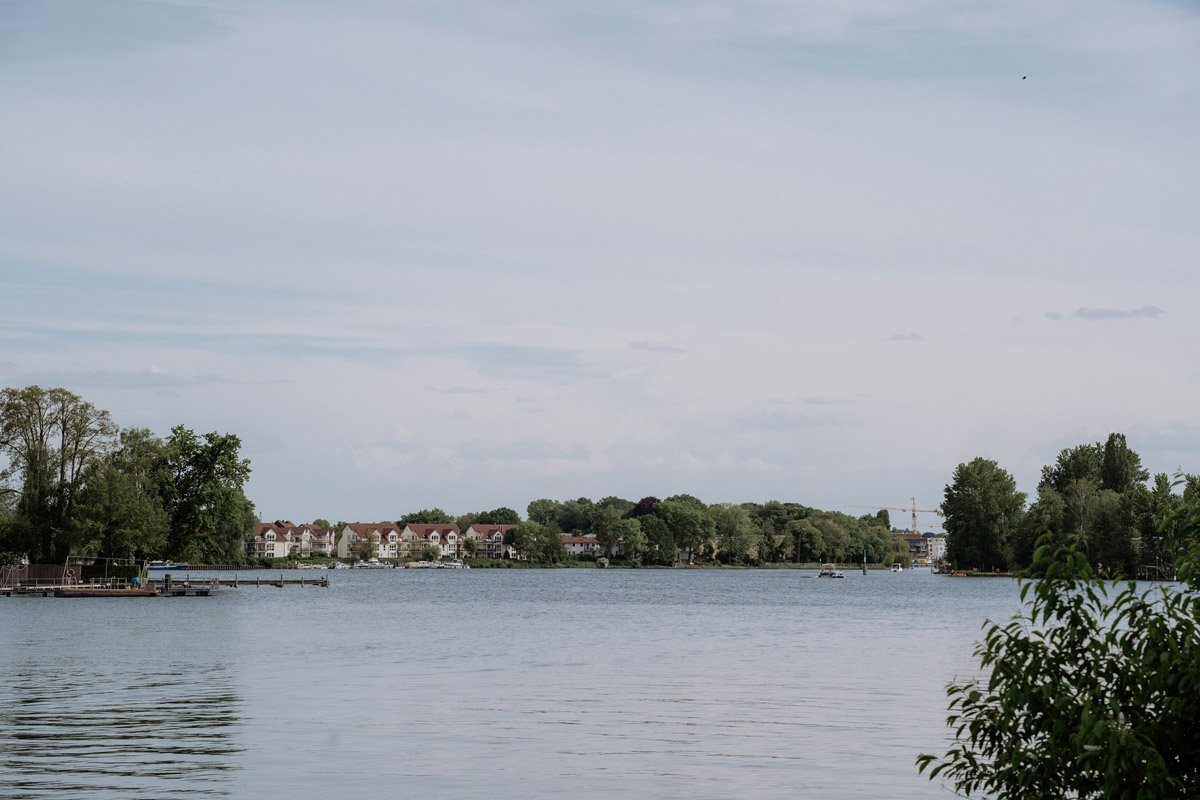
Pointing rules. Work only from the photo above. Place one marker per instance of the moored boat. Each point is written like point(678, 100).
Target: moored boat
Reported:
point(165, 565)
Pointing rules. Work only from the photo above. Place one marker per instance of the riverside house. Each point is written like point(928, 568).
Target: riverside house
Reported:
point(418, 535)
point(580, 545)
point(368, 540)
point(489, 539)
point(281, 538)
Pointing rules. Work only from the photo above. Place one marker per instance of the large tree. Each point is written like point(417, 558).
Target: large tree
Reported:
point(426, 516)
point(982, 508)
point(606, 525)
point(121, 508)
point(735, 532)
point(210, 515)
point(50, 438)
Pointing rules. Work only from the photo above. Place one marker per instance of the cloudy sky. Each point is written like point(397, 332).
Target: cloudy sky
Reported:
point(468, 254)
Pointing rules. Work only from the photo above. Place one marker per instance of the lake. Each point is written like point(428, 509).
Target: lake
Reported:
point(505, 683)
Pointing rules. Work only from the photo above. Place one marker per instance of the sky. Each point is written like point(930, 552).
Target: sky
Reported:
point(468, 254)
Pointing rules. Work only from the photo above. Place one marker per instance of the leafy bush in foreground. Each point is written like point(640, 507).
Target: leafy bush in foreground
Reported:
point(1094, 689)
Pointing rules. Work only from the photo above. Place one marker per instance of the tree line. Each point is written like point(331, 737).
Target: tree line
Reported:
point(74, 483)
point(1097, 498)
point(650, 530)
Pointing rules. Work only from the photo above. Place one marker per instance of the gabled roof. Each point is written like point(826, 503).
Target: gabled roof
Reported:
point(363, 528)
point(423, 529)
point(487, 529)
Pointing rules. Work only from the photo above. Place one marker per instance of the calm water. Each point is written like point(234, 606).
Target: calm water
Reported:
point(509, 683)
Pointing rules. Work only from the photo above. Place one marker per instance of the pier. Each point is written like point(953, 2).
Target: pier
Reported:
point(67, 582)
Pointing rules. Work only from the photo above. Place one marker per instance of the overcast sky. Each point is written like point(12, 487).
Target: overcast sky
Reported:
point(470, 254)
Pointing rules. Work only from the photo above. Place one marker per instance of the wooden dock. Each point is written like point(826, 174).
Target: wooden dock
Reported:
point(237, 582)
point(155, 587)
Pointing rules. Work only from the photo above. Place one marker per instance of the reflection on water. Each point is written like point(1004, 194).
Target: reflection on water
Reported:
point(128, 733)
point(116, 699)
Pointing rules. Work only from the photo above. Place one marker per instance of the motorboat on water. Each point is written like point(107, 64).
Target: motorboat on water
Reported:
point(165, 565)
point(830, 571)
point(371, 563)
point(339, 565)
point(897, 567)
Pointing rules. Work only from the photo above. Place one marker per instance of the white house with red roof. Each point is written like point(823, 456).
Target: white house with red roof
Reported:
point(416, 536)
point(489, 539)
point(368, 540)
point(282, 538)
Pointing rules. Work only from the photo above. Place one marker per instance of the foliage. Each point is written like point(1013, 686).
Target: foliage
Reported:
point(542, 511)
point(498, 516)
point(536, 541)
point(622, 506)
point(982, 508)
point(1095, 495)
point(634, 539)
point(660, 544)
point(431, 552)
point(647, 505)
point(1093, 690)
point(575, 516)
point(606, 527)
point(50, 437)
point(734, 531)
point(426, 516)
point(210, 515)
point(692, 529)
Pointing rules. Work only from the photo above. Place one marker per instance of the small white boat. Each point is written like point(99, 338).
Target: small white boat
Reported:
point(339, 565)
point(165, 565)
point(829, 571)
point(371, 563)
point(897, 567)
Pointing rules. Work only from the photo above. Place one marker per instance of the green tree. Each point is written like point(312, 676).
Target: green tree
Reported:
point(210, 515)
point(537, 542)
point(322, 523)
point(431, 552)
point(982, 508)
point(121, 509)
point(808, 543)
point(576, 516)
point(622, 506)
point(1093, 690)
point(470, 547)
point(660, 544)
point(1072, 464)
point(50, 438)
point(606, 525)
point(426, 516)
point(499, 516)
point(633, 539)
point(692, 529)
point(1120, 468)
point(735, 532)
point(542, 511)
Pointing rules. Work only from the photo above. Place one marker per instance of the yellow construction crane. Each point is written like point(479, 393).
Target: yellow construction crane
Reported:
point(913, 508)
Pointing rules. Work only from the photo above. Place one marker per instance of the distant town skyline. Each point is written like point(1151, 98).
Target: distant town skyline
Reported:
point(468, 255)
